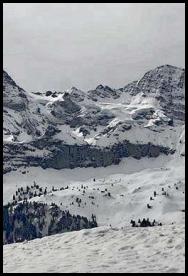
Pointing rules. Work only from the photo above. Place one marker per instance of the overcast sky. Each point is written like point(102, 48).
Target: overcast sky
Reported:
point(56, 46)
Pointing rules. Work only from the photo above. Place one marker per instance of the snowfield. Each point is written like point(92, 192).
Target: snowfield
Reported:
point(103, 249)
point(131, 184)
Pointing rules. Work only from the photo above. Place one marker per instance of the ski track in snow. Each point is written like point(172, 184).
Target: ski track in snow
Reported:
point(103, 249)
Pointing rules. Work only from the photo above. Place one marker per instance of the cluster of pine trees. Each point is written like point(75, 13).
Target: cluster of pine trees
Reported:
point(145, 223)
point(30, 220)
point(28, 193)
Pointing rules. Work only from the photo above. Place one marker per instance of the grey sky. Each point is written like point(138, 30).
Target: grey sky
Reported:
point(56, 46)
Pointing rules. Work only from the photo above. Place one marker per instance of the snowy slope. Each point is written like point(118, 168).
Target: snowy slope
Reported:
point(131, 184)
point(128, 250)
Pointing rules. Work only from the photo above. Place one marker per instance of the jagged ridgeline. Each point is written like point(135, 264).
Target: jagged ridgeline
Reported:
point(31, 220)
point(96, 128)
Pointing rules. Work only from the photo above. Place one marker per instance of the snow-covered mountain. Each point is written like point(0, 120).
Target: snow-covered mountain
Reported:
point(116, 153)
point(95, 128)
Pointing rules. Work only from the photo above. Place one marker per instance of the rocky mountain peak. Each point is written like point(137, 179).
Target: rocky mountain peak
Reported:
point(104, 117)
point(14, 97)
point(73, 88)
point(100, 86)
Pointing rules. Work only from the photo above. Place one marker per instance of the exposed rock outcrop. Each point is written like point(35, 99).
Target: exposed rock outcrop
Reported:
point(62, 156)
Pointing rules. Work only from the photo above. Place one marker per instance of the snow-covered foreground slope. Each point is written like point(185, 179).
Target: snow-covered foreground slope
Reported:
point(128, 250)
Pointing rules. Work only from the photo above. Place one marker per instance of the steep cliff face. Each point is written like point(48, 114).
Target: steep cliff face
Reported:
point(62, 156)
point(96, 128)
point(167, 85)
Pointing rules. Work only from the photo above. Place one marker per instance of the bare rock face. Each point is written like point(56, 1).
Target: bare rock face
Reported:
point(62, 156)
point(166, 84)
point(96, 128)
point(14, 97)
point(63, 109)
point(77, 95)
point(103, 92)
